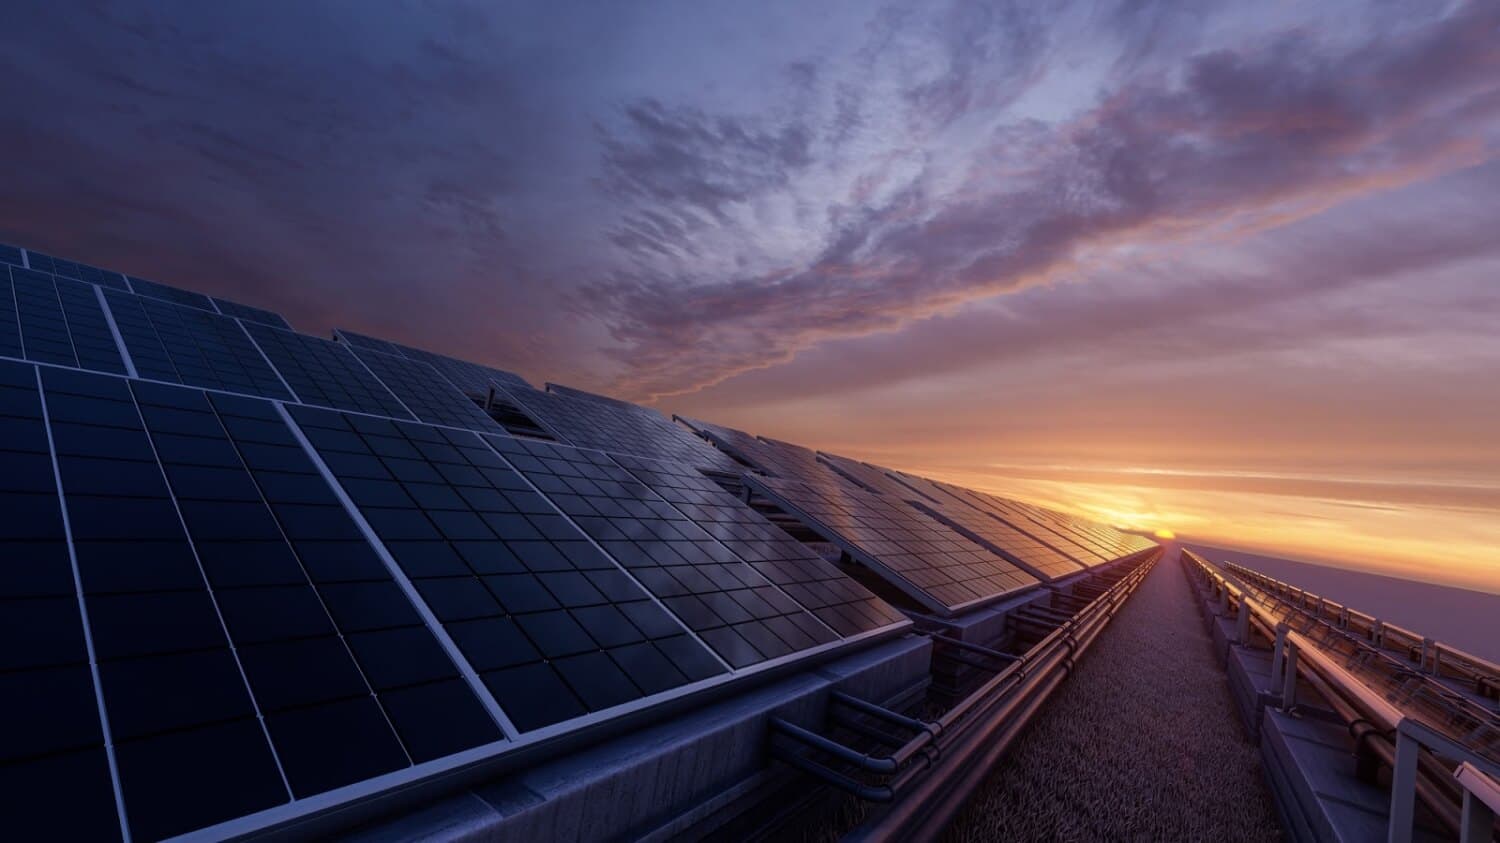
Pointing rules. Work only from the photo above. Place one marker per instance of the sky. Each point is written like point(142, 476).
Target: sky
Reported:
point(1222, 268)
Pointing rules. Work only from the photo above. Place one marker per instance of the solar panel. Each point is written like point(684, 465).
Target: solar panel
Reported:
point(778, 459)
point(987, 531)
point(165, 292)
point(429, 396)
point(55, 320)
point(325, 373)
point(550, 624)
point(926, 559)
point(1034, 521)
point(619, 427)
point(836, 599)
point(474, 379)
point(179, 344)
point(53, 765)
point(372, 343)
point(251, 314)
point(740, 614)
point(63, 268)
point(1011, 513)
point(871, 477)
point(251, 647)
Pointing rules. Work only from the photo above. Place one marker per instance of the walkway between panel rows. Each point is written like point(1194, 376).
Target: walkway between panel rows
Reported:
point(1141, 743)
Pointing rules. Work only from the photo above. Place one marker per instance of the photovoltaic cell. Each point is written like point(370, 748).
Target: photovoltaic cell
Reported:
point(54, 770)
point(618, 427)
point(836, 599)
point(157, 290)
point(245, 653)
point(57, 321)
point(323, 372)
point(11, 255)
point(251, 314)
point(426, 393)
point(924, 558)
point(552, 626)
point(178, 344)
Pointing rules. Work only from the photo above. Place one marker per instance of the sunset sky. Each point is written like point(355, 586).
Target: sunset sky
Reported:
point(1231, 269)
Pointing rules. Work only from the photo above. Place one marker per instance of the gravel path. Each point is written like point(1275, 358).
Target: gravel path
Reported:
point(1141, 743)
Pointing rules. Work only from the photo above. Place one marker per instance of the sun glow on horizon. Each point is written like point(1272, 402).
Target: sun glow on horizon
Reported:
point(1165, 533)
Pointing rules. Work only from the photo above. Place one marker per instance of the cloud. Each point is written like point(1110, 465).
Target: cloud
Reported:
point(1232, 139)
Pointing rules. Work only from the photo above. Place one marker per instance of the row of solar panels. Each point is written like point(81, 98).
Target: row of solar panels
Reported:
point(246, 572)
point(946, 547)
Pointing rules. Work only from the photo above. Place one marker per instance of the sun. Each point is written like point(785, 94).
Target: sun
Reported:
point(1164, 533)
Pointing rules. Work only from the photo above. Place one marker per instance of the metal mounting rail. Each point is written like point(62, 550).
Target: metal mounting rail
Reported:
point(1399, 715)
point(930, 766)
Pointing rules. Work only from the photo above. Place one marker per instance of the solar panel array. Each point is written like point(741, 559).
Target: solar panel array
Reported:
point(325, 373)
point(741, 615)
point(241, 567)
point(618, 427)
point(871, 477)
point(928, 560)
point(186, 345)
point(1038, 558)
point(427, 394)
point(840, 602)
point(778, 459)
point(475, 380)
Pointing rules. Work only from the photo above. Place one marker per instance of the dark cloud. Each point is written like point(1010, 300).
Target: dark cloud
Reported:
point(1265, 134)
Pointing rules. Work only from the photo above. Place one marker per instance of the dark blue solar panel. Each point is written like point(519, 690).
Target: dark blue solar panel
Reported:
point(553, 626)
point(44, 330)
point(840, 602)
point(54, 771)
point(55, 320)
point(225, 588)
point(186, 345)
point(325, 373)
point(744, 617)
point(93, 341)
point(11, 255)
point(251, 314)
point(371, 343)
point(426, 393)
point(619, 427)
point(165, 292)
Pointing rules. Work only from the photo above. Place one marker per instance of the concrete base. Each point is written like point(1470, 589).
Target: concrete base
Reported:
point(1310, 765)
point(1251, 686)
point(638, 784)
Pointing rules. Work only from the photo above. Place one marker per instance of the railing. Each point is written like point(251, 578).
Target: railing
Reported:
point(925, 769)
point(1481, 803)
point(1398, 713)
point(1427, 655)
